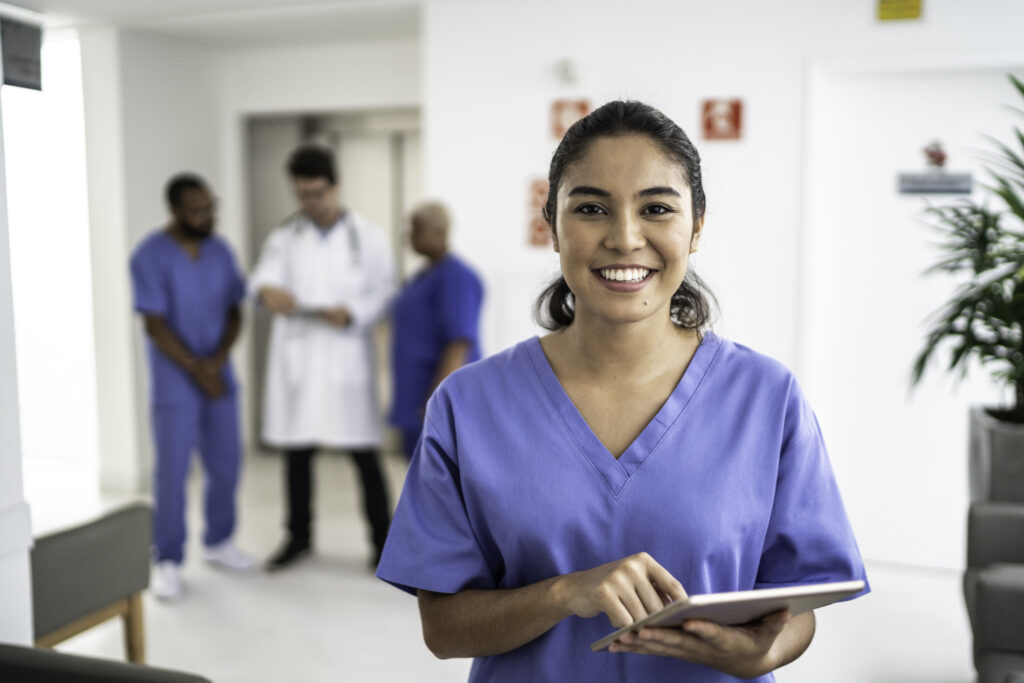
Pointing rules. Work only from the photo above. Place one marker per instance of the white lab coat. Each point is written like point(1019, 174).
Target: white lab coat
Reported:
point(320, 383)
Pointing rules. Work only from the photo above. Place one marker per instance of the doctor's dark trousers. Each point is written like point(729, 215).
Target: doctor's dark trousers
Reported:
point(376, 509)
point(209, 426)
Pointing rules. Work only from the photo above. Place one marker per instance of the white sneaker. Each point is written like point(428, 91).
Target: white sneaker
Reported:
point(166, 583)
point(229, 556)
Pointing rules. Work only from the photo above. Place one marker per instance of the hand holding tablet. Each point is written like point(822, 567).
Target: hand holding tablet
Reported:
point(739, 607)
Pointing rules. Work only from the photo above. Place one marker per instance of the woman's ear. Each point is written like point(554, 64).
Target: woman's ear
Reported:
point(554, 233)
point(698, 228)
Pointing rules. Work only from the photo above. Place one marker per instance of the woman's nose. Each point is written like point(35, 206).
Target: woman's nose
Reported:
point(624, 235)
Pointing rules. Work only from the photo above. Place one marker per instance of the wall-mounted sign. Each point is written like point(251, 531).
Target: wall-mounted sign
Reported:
point(21, 49)
point(564, 113)
point(538, 230)
point(722, 119)
point(895, 10)
point(936, 180)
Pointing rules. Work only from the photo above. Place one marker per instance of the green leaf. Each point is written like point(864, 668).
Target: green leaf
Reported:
point(1017, 84)
point(1008, 154)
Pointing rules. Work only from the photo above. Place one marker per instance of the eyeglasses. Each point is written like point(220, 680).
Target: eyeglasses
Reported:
point(313, 195)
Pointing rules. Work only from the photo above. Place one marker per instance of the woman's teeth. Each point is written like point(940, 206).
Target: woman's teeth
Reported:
point(624, 274)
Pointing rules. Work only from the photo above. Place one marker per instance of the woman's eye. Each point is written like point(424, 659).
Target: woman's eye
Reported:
point(589, 209)
point(657, 210)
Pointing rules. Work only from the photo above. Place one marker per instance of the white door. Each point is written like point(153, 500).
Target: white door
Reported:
point(900, 456)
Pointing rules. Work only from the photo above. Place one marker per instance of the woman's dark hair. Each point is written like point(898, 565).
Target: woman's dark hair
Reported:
point(312, 161)
point(690, 307)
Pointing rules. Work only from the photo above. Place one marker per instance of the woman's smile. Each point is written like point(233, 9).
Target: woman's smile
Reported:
point(624, 278)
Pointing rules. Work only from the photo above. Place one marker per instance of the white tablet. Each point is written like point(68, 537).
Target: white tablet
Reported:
point(740, 607)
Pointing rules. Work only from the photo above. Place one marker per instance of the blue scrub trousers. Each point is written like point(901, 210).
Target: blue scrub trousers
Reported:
point(211, 427)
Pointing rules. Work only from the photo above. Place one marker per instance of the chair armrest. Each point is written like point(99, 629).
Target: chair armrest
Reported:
point(18, 663)
point(999, 604)
point(79, 570)
point(995, 533)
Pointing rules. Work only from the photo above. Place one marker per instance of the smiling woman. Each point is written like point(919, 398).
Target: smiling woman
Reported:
point(623, 461)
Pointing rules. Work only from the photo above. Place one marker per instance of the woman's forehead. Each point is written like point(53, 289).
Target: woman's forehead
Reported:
point(623, 163)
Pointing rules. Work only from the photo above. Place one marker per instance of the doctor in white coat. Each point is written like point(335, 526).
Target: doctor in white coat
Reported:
point(327, 276)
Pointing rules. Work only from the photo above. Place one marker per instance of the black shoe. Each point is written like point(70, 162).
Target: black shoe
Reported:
point(288, 553)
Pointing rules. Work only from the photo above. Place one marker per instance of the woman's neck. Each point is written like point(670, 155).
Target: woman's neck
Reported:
point(634, 352)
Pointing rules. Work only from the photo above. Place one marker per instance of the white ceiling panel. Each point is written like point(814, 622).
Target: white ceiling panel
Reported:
point(241, 23)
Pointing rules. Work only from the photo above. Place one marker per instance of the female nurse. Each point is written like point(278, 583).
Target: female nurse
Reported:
point(626, 459)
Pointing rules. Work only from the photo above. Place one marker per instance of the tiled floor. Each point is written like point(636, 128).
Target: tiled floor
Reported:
point(328, 619)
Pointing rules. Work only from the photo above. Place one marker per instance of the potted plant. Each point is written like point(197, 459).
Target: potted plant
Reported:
point(984, 320)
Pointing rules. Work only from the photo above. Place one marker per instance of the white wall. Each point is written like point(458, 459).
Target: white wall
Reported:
point(56, 368)
point(15, 528)
point(151, 111)
point(489, 78)
point(119, 438)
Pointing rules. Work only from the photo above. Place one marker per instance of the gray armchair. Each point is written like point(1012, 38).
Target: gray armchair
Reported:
point(994, 589)
point(90, 573)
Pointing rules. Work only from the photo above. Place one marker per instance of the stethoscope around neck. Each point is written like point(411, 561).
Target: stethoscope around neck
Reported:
point(296, 219)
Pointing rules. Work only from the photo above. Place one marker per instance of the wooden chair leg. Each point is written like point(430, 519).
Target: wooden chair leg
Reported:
point(134, 636)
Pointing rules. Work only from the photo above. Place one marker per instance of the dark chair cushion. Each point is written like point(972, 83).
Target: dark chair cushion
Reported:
point(31, 665)
point(79, 570)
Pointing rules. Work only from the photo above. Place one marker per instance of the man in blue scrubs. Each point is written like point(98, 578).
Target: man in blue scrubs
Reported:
point(187, 287)
point(436, 322)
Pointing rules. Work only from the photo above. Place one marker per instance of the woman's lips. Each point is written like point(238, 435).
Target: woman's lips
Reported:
point(624, 278)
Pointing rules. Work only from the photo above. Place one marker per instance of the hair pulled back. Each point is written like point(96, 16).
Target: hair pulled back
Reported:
point(690, 307)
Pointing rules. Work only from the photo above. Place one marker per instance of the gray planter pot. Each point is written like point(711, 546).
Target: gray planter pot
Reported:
point(995, 458)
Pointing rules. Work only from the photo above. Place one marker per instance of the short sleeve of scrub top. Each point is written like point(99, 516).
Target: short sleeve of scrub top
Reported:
point(461, 296)
point(728, 487)
point(805, 483)
point(149, 291)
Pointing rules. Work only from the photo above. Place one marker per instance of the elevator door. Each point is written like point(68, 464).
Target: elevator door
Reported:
point(378, 167)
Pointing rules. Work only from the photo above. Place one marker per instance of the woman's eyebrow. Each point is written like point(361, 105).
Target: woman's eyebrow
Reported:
point(587, 189)
point(658, 190)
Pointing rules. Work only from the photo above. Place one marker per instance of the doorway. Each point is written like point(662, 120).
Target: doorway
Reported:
point(900, 454)
point(378, 154)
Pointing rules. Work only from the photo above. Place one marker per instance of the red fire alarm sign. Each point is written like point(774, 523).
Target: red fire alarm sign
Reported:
point(564, 113)
point(538, 231)
point(722, 119)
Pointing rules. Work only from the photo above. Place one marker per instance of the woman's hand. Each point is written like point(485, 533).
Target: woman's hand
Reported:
point(625, 590)
point(743, 651)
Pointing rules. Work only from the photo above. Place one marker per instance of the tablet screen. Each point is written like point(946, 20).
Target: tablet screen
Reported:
point(740, 607)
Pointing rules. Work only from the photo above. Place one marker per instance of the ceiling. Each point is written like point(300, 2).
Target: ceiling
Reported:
point(241, 23)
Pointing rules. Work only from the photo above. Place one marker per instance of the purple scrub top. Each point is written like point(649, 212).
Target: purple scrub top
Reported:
point(193, 297)
point(438, 306)
point(729, 488)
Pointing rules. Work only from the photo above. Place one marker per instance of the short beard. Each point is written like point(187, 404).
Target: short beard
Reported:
point(195, 233)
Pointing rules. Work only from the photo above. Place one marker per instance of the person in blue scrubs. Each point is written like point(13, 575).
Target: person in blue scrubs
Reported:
point(579, 481)
point(187, 287)
point(436, 320)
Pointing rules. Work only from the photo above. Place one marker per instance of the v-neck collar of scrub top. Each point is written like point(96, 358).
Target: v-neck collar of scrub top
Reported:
point(616, 472)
